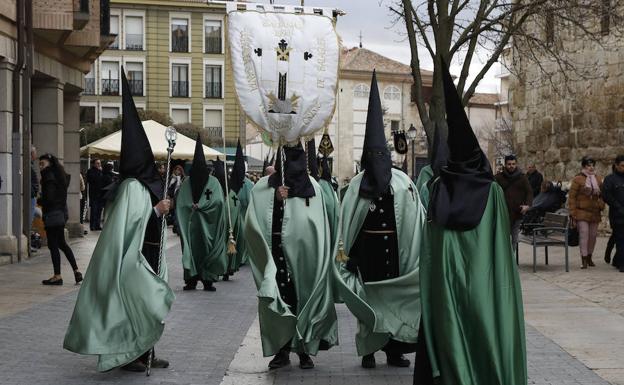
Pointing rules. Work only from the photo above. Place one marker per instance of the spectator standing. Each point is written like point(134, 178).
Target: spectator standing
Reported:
point(535, 179)
point(34, 184)
point(83, 198)
point(518, 194)
point(172, 192)
point(54, 183)
point(613, 195)
point(585, 204)
point(96, 200)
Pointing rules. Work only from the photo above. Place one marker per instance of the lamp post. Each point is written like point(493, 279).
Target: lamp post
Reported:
point(411, 135)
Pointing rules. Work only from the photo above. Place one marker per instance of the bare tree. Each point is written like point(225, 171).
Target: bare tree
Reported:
point(500, 139)
point(469, 30)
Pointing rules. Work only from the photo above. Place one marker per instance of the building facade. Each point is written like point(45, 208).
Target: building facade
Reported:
point(174, 54)
point(46, 48)
point(556, 123)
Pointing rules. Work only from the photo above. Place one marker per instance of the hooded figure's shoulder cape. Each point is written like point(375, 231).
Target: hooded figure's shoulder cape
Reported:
point(203, 230)
point(390, 308)
point(306, 243)
point(426, 173)
point(122, 303)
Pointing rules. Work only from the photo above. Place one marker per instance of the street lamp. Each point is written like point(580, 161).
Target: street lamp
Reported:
point(411, 135)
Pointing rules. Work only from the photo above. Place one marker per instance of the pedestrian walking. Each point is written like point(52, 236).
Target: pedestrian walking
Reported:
point(54, 183)
point(34, 183)
point(96, 198)
point(535, 179)
point(518, 194)
point(613, 195)
point(83, 199)
point(585, 204)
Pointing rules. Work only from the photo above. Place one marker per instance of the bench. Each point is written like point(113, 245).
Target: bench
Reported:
point(553, 231)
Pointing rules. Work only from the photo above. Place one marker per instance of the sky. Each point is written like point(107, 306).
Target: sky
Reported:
point(374, 21)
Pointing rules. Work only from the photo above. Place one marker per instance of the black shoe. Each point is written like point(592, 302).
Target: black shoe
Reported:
point(368, 361)
point(189, 286)
point(281, 359)
point(135, 366)
point(305, 362)
point(208, 286)
point(398, 360)
point(53, 282)
point(226, 277)
point(78, 277)
point(160, 363)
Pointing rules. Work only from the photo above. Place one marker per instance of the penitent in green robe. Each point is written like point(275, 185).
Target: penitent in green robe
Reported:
point(426, 173)
point(234, 260)
point(472, 301)
point(243, 199)
point(203, 230)
point(332, 206)
point(122, 302)
point(306, 245)
point(389, 308)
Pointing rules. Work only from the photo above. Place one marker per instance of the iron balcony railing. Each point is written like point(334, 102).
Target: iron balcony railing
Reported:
point(213, 132)
point(136, 87)
point(213, 44)
point(213, 89)
point(89, 86)
point(134, 42)
point(110, 87)
point(179, 89)
point(179, 43)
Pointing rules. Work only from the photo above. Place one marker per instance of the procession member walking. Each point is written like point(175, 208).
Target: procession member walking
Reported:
point(473, 323)
point(613, 194)
point(125, 297)
point(200, 213)
point(585, 204)
point(231, 216)
point(54, 183)
point(240, 190)
point(289, 245)
point(382, 223)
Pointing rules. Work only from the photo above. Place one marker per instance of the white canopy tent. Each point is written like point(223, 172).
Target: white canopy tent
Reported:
point(110, 145)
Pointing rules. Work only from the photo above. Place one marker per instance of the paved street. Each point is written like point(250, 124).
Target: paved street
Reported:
point(213, 338)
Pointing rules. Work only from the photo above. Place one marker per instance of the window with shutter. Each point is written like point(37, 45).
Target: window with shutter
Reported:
point(135, 78)
point(212, 36)
point(180, 115)
point(134, 33)
point(213, 122)
point(114, 30)
point(213, 81)
point(109, 113)
point(110, 77)
point(179, 35)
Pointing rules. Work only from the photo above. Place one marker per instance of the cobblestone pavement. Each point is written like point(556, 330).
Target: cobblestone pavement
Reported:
point(211, 338)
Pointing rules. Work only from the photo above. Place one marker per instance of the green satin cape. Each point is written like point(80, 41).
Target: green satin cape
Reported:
point(203, 230)
point(306, 245)
point(234, 261)
point(332, 206)
point(472, 301)
point(243, 199)
point(122, 303)
point(390, 308)
point(421, 184)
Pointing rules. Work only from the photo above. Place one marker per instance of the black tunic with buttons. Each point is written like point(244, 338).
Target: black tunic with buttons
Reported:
point(376, 255)
point(284, 280)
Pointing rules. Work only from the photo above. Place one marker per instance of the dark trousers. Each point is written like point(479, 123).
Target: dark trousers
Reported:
point(82, 207)
point(95, 219)
point(618, 260)
point(56, 241)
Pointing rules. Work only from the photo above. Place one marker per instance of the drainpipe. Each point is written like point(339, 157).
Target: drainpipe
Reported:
point(27, 120)
point(16, 148)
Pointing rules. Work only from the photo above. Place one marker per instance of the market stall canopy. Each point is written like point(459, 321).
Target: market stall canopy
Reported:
point(110, 146)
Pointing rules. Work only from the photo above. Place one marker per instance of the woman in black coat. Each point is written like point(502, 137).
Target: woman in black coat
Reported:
point(54, 183)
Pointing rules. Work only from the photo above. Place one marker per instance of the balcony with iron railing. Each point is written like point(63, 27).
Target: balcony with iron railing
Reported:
point(213, 132)
point(110, 87)
point(136, 87)
point(114, 44)
point(179, 43)
point(134, 42)
point(213, 44)
point(89, 86)
point(179, 89)
point(213, 90)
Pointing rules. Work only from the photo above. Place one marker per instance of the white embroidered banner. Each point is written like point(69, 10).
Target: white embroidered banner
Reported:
point(285, 71)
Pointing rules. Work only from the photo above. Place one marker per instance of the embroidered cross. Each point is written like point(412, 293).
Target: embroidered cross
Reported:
point(307, 55)
point(283, 53)
point(235, 199)
point(258, 51)
point(208, 193)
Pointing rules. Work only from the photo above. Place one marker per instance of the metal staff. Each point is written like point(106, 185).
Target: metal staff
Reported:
point(171, 136)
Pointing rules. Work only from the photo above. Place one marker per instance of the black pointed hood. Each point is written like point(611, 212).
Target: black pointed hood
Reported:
point(325, 170)
point(218, 170)
point(296, 176)
point(312, 160)
point(460, 195)
point(376, 161)
point(199, 171)
point(238, 172)
point(136, 159)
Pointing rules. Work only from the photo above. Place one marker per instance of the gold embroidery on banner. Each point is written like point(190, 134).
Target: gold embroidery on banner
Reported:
point(250, 73)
